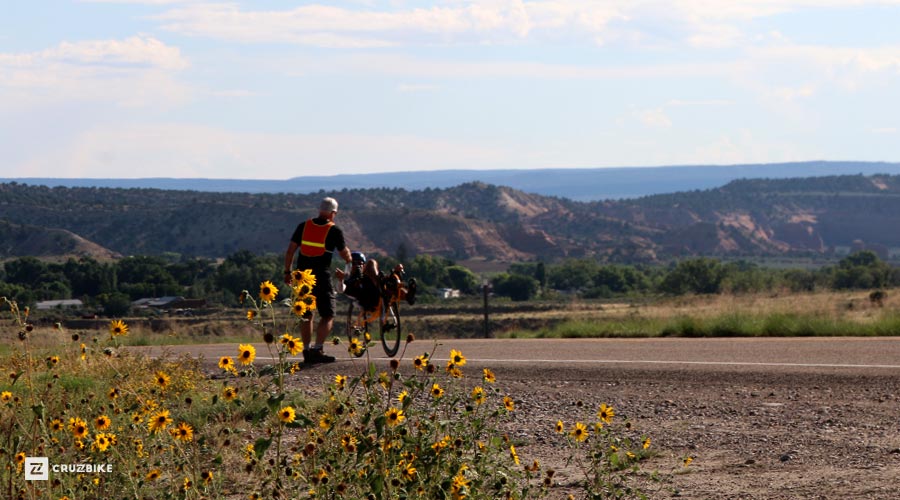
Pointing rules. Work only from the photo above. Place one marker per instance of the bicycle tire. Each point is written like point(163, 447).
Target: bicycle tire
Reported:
point(390, 337)
point(353, 330)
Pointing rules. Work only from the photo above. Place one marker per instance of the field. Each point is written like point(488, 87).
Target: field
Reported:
point(821, 313)
point(233, 428)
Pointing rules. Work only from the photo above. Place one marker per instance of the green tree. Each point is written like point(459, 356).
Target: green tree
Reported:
point(429, 270)
point(86, 276)
point(115, 304)
point(146, 276)
point(701, 275)
point(572, 274)
point(618, 280)
point(515, 286)
point(861, 270)
point(25, 271)
point(462, 279)
point(244, 270)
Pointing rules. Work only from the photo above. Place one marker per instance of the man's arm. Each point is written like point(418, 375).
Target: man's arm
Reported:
point(345, 254)
point(289, 260)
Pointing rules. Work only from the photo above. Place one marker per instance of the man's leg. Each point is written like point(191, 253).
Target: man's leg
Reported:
point(325, 304)
point(324, 329)
point(315, 353)
point(306, 332)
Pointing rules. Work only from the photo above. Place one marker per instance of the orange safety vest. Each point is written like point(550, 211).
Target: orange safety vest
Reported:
point(312, 242)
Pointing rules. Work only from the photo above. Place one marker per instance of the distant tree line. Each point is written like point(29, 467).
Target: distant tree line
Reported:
point(702, 275)
point(112, 286)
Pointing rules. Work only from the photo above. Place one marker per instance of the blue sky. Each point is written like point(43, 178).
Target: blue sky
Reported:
point(275, 89)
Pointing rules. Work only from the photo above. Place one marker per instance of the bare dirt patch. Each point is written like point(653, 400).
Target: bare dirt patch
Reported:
point(753, 434)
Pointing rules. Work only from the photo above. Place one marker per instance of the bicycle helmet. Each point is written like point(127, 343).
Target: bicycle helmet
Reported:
point(358, 257)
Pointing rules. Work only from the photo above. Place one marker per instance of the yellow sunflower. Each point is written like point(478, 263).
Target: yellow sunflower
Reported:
point(606, 413)
point(310, 301)
point(162, 379)
point(251, 314)
point(294, 345)
point(159, 421)
point(101, 442)
point(299, 308)
point(355, 346)
point(513, 454)
point(6, 396)
point(509, 403)
point(102, 423)
point(408, 472)
point(579, 432)
point(56, 425)
point(348, 442)
point(153, 475)
point(394, 416)
point(267, 291)
point(488, 376)
point(340, 381)
point(247, 353)
point(118, 327)
point(184, 432)
point(420, 362)
point(457, 358)
point(478, 395)
point(560, 427)
point(229, 393)
point(436, 391)
point(78, 427)
point(287, 414)
point(305, 277)
point(226, 363)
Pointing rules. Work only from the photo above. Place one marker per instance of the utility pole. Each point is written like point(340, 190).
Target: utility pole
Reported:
point(486, 289)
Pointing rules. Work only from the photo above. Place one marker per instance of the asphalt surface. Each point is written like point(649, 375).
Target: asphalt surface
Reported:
point(863, 355)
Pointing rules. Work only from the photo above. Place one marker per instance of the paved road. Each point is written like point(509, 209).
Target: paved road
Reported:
point(842, 354)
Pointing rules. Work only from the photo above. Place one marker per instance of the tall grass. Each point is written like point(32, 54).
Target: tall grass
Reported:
point(774, 324)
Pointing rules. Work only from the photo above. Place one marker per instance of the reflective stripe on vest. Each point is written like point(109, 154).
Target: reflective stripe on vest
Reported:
point(312, 242)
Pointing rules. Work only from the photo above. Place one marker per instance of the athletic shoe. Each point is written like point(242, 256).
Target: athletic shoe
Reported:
point(316, 356)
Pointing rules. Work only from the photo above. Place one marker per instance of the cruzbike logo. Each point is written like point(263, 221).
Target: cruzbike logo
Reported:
point(38, 468)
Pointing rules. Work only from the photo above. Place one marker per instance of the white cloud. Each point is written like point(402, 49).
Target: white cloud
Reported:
point(884, 130)
point(508, 21)
point(137, 71)
point(696, 23)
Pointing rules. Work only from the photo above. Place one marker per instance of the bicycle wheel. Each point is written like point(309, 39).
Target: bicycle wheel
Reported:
point(355, 331)
point(390, 329)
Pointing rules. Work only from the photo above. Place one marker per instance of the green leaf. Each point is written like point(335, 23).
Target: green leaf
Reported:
point(261, 414)
point(260, 447)
point(274, 402)
point(38, 410)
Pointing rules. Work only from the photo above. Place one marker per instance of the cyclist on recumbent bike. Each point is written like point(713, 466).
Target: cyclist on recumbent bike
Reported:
point(374, 295)
point(368, 285)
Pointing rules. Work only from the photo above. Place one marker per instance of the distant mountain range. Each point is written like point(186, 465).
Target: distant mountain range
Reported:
point(751, 217)
point(587, 184)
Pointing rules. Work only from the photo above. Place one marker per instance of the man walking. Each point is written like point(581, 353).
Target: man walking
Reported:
point(318, 239)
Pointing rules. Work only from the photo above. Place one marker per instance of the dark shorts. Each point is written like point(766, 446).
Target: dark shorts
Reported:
point(324, 294)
